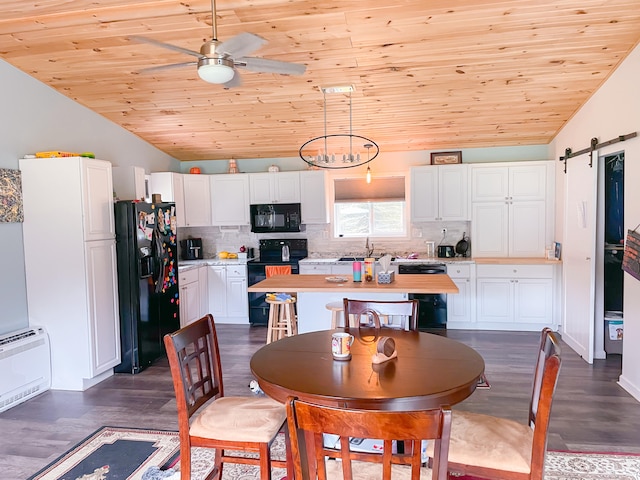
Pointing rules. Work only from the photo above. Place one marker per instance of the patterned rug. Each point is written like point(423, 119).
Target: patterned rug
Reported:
point(113, 453)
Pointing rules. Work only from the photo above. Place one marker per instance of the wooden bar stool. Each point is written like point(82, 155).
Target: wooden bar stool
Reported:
point(336, 309)
point(282, 314)
point(282, 319)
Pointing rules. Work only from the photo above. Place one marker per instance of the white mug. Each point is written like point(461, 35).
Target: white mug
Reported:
point(341, 345)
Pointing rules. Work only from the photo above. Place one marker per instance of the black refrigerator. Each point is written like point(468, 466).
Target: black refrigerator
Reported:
point(147, 259)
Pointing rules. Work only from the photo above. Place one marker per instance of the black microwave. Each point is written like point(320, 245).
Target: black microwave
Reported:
point(275, 217)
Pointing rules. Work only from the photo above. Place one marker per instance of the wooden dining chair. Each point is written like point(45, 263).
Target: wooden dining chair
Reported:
point(367, 312)
point(308, 423)
point(206, 418)
point(496, 448)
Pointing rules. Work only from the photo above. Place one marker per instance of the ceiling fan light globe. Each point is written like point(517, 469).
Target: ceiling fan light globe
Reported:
point(215, 70)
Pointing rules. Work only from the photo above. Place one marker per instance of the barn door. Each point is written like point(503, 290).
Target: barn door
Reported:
point(579, 254)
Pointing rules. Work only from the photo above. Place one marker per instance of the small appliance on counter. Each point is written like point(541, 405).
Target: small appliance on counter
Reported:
point(191, 249)
point(446, 251)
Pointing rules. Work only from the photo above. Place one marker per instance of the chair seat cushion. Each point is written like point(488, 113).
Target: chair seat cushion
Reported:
point(491, 442)
point(240, 419)
point(372, 471)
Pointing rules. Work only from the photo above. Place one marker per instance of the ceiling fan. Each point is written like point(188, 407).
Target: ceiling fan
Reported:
point(217, 61)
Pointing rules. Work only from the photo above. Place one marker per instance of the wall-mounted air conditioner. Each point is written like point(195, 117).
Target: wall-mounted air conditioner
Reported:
point(25, 366)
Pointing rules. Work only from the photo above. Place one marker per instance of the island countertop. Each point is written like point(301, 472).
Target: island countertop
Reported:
point(407, 283)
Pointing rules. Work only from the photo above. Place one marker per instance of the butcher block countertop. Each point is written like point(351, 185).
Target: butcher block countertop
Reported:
point(408, 283)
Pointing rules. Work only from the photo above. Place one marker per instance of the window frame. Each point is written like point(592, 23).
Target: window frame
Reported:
point(332, 211)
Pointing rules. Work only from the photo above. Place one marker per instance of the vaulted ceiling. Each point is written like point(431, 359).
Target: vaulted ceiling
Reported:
point(428, 74)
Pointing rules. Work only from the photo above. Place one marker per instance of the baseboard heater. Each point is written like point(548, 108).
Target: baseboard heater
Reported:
point(25, 366)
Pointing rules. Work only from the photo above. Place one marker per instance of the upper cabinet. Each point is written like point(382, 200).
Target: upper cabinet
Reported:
point(129, 183)
point(171, 188)
point(274, 187)
point(313, 196)
point(510, 209)
point(97, 199)
point(439, 192)
point(197, 200)
point(498, 183)
point(229, 199)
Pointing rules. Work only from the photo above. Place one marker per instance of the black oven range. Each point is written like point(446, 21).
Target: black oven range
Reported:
point(287, 251)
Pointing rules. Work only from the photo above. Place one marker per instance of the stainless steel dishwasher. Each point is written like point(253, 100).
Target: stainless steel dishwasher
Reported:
point(432, 308)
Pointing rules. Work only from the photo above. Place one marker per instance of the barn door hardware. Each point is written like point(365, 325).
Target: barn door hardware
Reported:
point(594, 145)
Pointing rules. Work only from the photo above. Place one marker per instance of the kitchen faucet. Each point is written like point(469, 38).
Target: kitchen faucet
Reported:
point(368, 248)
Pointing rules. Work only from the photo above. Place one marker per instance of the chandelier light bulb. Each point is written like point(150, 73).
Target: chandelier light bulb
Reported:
point(368, 174)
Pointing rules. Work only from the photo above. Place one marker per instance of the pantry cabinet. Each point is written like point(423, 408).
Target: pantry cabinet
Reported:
point(274, 187)
point(197, 200)
point(229, 199)
point(72, 281)
point(170, 186)
point(514, 297)
point(439, 193)
point(313, 197)
point(510, 211)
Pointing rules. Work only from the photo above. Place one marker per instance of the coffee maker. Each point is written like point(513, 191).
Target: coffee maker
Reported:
point(191, 248)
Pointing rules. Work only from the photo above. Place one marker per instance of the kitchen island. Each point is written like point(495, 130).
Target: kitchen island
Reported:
point(315, 291)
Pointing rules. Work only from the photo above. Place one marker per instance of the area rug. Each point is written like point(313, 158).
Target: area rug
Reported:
point(113, 453)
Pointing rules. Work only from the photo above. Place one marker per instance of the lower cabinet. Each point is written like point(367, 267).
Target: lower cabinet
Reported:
point(514, 297)
point(192, 305)
point(461, 306)
point(228, 301)
point(316, 269)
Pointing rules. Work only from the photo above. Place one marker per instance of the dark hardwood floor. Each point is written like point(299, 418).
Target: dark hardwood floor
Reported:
point(590, 412)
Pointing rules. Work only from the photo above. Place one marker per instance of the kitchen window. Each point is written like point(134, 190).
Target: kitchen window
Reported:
point(376, 209)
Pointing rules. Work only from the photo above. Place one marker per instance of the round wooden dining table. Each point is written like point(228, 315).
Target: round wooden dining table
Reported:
point(428, 372)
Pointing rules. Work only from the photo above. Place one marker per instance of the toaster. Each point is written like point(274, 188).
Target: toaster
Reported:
point(446, 251)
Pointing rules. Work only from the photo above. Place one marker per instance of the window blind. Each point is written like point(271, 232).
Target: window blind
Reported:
point(381, 189)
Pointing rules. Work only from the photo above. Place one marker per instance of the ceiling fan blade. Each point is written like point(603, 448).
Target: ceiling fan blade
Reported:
point(240, 45)
point(256, 64)
point(168, 46)
point(159, 68)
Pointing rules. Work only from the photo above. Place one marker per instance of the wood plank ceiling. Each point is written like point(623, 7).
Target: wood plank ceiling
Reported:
point(428, 74)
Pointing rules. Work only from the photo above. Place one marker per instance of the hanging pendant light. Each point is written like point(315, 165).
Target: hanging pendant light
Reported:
point(337, 150)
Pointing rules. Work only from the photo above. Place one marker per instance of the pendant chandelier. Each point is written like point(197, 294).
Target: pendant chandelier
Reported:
point(338, 150)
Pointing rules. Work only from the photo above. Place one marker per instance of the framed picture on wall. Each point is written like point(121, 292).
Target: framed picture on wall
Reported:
point(446, 158)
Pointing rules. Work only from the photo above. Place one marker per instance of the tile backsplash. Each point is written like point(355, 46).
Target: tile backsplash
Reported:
point(322, 244)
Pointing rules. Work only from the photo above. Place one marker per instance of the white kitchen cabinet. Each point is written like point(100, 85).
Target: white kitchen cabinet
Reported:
point(76, 300)
point(171, 188)
point(439, 193)
point(229, 199)
point(237, 299)
point(510, 210)
point(315, 269)
point(197, 200)
point(514, 297)
point(313, 197)
point(460, 306)
point(228, 299)
point(274, 187)
point(129, 183)
point(190, 296)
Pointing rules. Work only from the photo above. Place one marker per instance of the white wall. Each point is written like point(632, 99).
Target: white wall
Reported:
point(611, 112)
point(34, 118)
